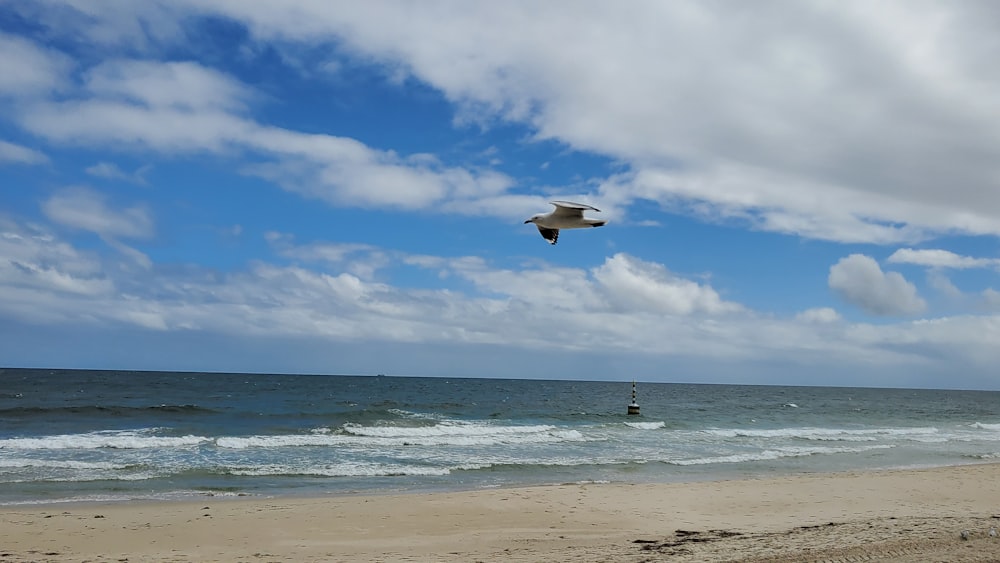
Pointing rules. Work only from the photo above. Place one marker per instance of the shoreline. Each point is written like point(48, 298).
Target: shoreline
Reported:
point(897, 515)
point(196, 496)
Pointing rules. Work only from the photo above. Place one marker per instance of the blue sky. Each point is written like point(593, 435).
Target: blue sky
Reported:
point(796, 192)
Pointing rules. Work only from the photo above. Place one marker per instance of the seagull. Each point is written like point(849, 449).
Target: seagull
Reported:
point(566, 215)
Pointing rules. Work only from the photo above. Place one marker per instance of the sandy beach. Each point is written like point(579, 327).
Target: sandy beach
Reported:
point(903, 515)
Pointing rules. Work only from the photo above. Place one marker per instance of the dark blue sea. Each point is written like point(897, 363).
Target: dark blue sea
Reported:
point(74, 435)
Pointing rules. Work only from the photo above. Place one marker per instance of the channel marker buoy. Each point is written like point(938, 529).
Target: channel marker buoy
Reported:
point(633, 407)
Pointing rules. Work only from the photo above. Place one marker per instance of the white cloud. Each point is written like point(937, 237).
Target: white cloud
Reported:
point(334, 172)
point(111, 171)
point(543, 289)
point(943, 284)
point(9, 152)
point(361, 260)
point(768, 200)
point(531, 308)
point(937, 258)
point(185, 108)
point(822, 315)
point(85, 209)
point(181, 85)
point(884, 128)
point(536, 307)
point(98, 24)
point(877, 109)
point(27, 69)
point(102, 122)
point(992, 298)
point(859, 280)
point(857, 141)
point(45, 280)
point(648, 287)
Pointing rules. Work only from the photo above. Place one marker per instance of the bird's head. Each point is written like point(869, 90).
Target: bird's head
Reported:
point(533, 218)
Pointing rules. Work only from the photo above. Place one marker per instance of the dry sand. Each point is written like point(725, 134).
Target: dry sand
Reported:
point(911, 516)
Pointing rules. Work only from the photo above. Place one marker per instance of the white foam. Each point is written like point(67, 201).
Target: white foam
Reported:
point(831, 434)
point(777, 453)
point(17, 463)
point(463, 434)
point(417, 415)
point(646, 425)
point(90, 498)
point(87, 477)
point(114, 439)
point(444, 434)
point(443, 429)
point(280, 441)
point(344, 470)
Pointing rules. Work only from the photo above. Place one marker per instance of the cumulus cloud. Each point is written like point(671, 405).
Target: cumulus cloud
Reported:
point(532, 307)
point(649, 287)
point(625, 304)
point(859, 280)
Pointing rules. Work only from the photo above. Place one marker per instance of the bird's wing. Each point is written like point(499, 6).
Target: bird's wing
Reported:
point(570, 209)
point(551, 235)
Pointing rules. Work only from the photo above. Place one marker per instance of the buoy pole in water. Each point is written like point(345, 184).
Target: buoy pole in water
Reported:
point(633, 407)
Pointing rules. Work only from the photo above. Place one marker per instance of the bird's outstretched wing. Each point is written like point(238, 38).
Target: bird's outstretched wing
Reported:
point(551, 235)
point(571, 209)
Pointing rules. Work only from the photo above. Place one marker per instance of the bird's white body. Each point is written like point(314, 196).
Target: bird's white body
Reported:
point(566, 215)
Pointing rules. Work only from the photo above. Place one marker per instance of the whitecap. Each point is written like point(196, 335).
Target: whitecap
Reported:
point(113, 439)
point(18, 463)
point(646, 425)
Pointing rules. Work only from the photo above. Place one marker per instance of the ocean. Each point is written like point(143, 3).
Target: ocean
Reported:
point(78, 435)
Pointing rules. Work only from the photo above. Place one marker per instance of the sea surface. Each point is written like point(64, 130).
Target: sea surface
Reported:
point(74, 435)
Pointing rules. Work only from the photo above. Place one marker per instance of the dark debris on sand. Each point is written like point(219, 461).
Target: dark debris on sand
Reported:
point(676, 545)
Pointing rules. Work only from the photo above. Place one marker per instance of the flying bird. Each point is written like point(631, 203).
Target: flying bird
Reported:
point(566, 215)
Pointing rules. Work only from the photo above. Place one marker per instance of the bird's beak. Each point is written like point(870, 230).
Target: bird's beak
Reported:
point(528, 221)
